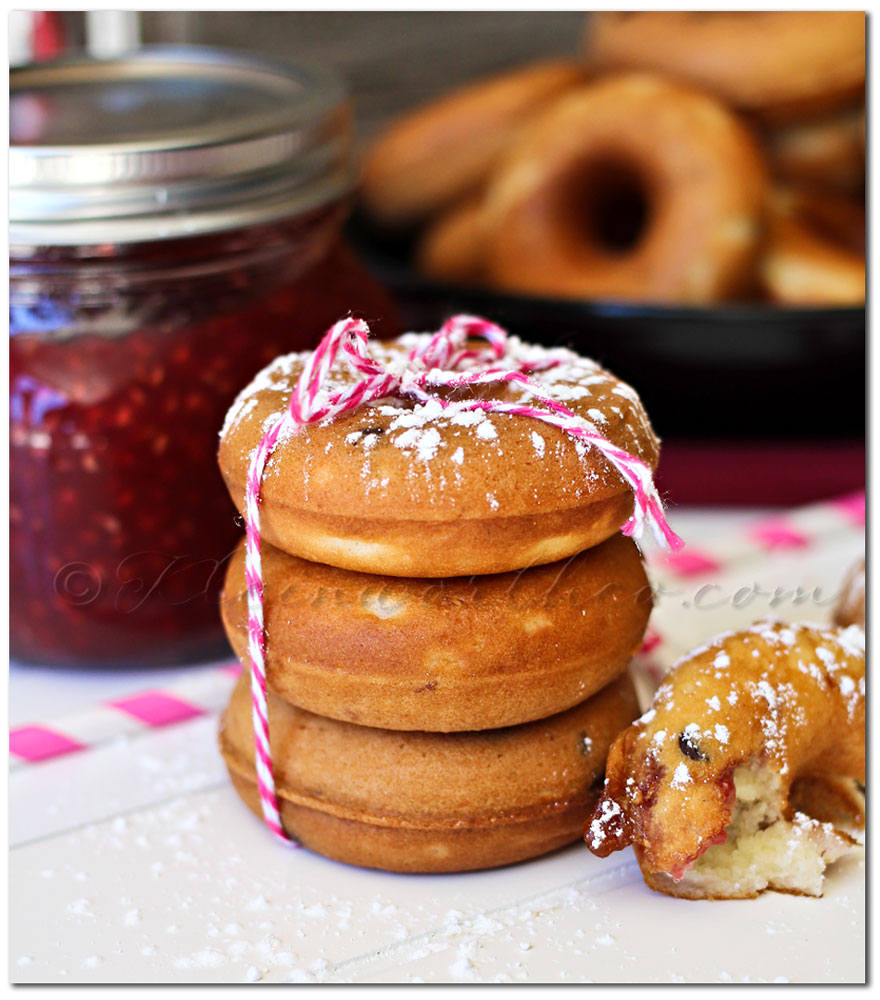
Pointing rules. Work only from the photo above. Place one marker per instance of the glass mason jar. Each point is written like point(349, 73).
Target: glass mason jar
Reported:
point(175, 225)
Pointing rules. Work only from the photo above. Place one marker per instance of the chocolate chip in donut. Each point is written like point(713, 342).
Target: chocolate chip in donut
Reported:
point(688, 745)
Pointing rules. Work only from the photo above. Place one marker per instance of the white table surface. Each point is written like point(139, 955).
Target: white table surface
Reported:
point(136, 862)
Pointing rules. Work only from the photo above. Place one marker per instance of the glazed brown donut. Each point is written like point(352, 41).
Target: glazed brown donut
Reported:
point(453, 247)
point(629, 188)
point(417, 490)
point(429, 802)
point(815, 251)
point(443, 151)
point(828, 154)
point(778, 64)
point(444, 655)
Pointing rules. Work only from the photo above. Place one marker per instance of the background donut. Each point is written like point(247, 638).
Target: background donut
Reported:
point(777, 64)
point(812, 254)
point(632, 187)
point(850, 609)
point(824, 154)
point(444, 150)
point(429, 802)
point(453, 247)
point(792, 80)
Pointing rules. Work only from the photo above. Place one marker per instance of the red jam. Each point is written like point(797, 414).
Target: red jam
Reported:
point(124, 361)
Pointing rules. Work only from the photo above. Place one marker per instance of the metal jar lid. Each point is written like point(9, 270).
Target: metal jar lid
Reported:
point(170, 142)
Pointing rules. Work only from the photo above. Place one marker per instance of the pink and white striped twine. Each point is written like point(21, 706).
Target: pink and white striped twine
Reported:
point(443, 362)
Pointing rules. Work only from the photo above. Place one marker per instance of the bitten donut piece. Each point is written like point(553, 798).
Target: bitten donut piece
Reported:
point(440, 655)
point(850, 608)
point(428, 802)
point(444, 150)
point(416, 489)
point(705, 785)
point(778, 64)
point(630, 188)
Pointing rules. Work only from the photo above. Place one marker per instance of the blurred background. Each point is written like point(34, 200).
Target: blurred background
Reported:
point(139, 296)
point(392, 61)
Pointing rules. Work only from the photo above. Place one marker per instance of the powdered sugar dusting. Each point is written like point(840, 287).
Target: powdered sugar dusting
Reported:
point(486, 431)
point(610, 811)
point(682, 776)
point(424, 441)
point(435, 430)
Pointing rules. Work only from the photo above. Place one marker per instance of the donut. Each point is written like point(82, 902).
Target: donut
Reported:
point(443, 151)
point(836, 219)
point(814, 253)
point(442, 655)
point(429, 802)
point(453, 247)
point(776, 64)
point(828, 154)
point(419, 489)
point(850, 608)
point(629, 188)
point(705, 784)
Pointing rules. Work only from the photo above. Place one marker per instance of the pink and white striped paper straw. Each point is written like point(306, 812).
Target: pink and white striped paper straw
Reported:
point(204, 693)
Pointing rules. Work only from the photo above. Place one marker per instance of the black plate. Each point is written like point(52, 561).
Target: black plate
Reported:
point(753, 371)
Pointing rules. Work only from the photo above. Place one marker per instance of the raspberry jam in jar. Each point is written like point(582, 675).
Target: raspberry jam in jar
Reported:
point(175, 225)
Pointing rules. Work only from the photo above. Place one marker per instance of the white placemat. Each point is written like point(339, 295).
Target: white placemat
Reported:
point(134, 861)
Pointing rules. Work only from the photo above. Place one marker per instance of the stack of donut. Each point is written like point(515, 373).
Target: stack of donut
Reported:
point(449, 613)
point(689, 157)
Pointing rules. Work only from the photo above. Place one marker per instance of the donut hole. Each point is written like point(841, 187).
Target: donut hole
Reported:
point(612, 203)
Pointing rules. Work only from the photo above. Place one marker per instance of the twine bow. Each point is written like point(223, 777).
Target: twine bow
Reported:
point(445, 361)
